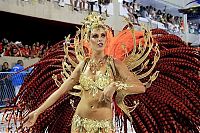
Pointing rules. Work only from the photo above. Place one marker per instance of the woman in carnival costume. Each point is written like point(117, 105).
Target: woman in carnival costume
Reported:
point(110, 75)
point(99, 77)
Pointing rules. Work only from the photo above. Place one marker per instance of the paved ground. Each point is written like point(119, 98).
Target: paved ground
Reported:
point(4, 125)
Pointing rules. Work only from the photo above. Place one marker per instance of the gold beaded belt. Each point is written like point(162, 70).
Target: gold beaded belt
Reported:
point(91, 126)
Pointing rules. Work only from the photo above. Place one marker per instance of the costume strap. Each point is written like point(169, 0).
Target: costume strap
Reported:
point(85, 65)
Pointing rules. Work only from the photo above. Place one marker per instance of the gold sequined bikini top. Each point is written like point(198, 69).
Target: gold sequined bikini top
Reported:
point(93, 86)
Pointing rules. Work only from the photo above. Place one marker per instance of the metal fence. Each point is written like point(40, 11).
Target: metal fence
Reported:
point(10, 86)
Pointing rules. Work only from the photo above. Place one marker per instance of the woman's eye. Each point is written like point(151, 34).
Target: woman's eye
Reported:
point(103, 35)
point(95, 36)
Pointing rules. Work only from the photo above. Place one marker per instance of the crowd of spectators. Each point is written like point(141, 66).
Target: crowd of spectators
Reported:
point(80, 5)
point(172, 23)
point(135, 10)
point(87, 5)
point(18, 49)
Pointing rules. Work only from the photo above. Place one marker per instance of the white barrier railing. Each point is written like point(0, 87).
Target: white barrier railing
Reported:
point(10, 84)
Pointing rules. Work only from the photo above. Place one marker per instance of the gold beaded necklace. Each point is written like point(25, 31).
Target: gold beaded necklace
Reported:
point(96, 65)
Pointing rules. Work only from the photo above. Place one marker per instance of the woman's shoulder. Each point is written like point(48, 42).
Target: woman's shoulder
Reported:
point(115, 61)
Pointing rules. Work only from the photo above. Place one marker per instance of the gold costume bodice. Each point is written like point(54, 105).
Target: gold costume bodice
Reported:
point(93, 86)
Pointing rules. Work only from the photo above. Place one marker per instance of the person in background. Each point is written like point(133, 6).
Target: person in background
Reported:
point(37, 46)
point(5, 44)
point(7, 50)
point(26, 51)
point(5, 67)
point(82, 4)
point(1, 48)
point(133, 12)
point(154, 14)
point(91, 4)
point(158, 15)
point(33, 51)
point(104, 4)
point(4, 41)
point(18, 79)
point(6, 88)
point(75, 5)
point(127, 3)
point(15, 52)
point(16, 49)
point(144, 12)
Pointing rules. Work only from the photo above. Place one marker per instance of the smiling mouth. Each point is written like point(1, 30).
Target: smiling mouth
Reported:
point(100, 44)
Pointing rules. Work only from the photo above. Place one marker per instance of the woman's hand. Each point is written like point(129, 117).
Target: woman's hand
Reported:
point(108, 92)
point(30, 120)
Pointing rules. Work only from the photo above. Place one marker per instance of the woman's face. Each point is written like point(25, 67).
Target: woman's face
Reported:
point(97, 39)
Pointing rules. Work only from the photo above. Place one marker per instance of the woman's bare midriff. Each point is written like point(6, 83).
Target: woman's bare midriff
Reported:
point(90, 107)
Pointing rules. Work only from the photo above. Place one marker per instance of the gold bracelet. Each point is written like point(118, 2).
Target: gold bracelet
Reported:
point(120, 85)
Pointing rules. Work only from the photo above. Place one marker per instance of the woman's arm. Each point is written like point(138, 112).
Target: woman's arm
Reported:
point(64, 88)
point(30, 120)
point(132, 84)
point(128, 84)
